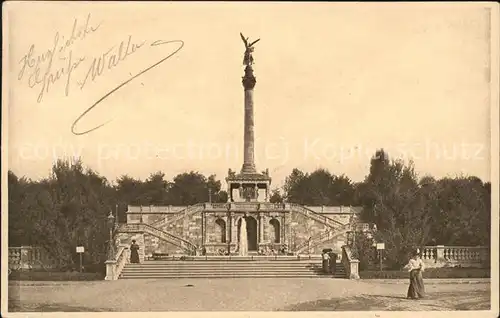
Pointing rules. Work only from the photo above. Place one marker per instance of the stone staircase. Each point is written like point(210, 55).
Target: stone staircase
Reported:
point(320, 238)
point(166, 236)
point(228, 269)
point(187, 212)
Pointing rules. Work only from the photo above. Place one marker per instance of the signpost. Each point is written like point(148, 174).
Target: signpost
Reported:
point(80, 250)
point(380, 248)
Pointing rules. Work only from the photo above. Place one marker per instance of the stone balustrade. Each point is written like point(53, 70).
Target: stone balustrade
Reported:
point(217, 206)
point(455, 256)
point(351, 264)
point(244, 206)
point(114, 267)
point(29, 257)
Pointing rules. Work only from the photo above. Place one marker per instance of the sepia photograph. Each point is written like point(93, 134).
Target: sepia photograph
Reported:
point(169, 157)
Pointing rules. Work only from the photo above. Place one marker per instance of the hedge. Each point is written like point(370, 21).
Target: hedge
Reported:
point(429, 273)
point(54, 276)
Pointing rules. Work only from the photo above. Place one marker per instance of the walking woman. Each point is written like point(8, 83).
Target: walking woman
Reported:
point(134, 252)
point(415, 266)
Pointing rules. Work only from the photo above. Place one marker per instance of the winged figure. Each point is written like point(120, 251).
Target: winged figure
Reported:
point(248, 58)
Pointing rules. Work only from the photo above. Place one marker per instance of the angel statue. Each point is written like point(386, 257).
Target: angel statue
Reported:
point(248, 59)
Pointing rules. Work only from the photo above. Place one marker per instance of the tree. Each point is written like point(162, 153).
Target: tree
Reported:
point(397, 204)
point(294, 187)
point(193, 187)
point(69, 209)
point(276, 196)
point(20, 222)
point(319, 188)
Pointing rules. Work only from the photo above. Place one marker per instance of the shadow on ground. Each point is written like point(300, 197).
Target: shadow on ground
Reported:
point(474, 300)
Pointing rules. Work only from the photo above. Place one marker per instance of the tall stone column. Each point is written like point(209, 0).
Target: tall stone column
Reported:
point(261, 229)
point(248, 146)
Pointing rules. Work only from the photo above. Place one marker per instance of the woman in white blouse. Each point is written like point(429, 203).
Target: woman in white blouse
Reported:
point(415, 266)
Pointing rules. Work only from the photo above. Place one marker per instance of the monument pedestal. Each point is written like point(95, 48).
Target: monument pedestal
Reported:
point(248, 187)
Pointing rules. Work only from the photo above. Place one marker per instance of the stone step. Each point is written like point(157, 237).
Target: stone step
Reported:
point(256, 262)
point(222, 275)
point(245, 270)
point(223, 266)
point(226, 276)
point(227, 269)
point(296, 268)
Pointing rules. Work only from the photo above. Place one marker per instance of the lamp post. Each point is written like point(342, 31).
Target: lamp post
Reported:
point(210, 195)
point(111, 247)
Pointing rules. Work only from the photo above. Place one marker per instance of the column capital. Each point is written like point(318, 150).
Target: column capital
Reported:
point(249, 80)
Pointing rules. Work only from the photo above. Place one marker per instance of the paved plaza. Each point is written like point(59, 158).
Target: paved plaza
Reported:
point(265, 294)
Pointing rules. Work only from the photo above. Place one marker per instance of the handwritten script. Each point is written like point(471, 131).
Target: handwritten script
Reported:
point(60, 62)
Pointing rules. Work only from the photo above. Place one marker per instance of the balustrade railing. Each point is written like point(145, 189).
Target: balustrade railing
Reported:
point(216, 206)
point(272, 206)
point(351, 264)
point(169, 237)
point(190, 210)
point(322, 237)
point(466, 256)
point(115, 266)
point(318, 217)
point(28, 257)
point(244, 206)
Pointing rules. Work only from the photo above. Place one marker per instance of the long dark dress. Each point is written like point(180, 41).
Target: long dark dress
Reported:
point(416, 289)
point(325, 263)
point(333, 263)
point(134, 253)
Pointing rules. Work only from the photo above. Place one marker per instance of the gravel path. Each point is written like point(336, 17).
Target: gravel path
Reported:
point(243, 295)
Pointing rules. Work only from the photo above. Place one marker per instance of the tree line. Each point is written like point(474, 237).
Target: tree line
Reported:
point(70, 206)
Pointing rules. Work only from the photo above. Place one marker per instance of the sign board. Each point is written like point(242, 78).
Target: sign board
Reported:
point(80, 249)
point(380, 246)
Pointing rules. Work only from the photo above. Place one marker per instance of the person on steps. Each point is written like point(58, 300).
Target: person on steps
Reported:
point(134, 253)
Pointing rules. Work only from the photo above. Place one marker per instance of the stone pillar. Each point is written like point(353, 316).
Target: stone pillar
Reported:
point(25, 257)
point(234, 234)
point(248, 148)
point(261, 229)
point(440, 253)
point(283, 229)
point(228, 228)
point(240, 192)
point(203, 228)
point(354, 269)
point(110, 270)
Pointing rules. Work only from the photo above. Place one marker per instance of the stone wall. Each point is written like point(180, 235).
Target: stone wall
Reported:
point(155, 245)
point(335, 244)
point(302, 227)
point(188, 228)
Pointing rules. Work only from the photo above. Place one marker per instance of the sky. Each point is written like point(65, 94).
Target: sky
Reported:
point(334, 83)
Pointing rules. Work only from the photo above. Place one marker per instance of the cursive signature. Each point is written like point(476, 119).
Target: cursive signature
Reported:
point(42, 70)
point(111, 60)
